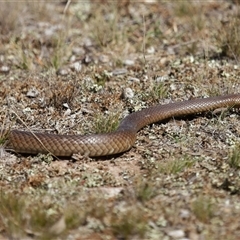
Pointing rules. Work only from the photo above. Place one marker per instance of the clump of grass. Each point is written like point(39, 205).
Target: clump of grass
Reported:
point(9, 14)
point(59, 52)
point(145, 191)
point(41, 221)
point(74, 217)
point(104, 124)
point(203, 208)
point(234, 159)
point(101, 77)
point(228, 38)
point(190, 11)
point(156, 92)
point(63, 93)
point(159, 91)
point(3, 136)
point(105, 25)
point(18, 220)
point(11, 214)
point(177, 165)
point(129, 224)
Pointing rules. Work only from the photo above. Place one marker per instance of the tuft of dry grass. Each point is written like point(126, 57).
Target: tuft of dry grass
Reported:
point(177, 165)
point(203, 208)
point(234, 159)
point(129, 224)
point(228, 38)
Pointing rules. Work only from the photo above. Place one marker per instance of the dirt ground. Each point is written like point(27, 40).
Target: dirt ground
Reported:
point(79, 67)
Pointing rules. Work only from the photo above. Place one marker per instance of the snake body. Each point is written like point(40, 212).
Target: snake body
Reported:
point(118, 141)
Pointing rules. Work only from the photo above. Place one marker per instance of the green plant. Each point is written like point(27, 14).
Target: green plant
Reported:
point(159, 91)
point(11, 214)
point(234, 159)
point(203, 208)
point(228, 39)
point(145, 191)
point(130, 223)
point(104, 124)
point(176, 165)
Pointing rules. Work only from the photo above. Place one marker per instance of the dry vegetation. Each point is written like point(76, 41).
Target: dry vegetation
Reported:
point(80, 68)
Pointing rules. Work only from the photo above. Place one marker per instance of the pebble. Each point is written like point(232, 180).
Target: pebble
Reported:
point(176, 233)
point(151, 50)
point(33, 92)
point(79, 51)
point(104, 58)
point(87, 42)
point(119, 71)
point(62, 71)
point(133, 79)
point(87, 59)
point(162, 78)
point(76, 66)
point(128, 93)
point(4, 69)
point(67, 112)
point(128, 62)
point(184, 213)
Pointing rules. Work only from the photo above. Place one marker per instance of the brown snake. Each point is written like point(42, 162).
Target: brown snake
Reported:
point(115, 142)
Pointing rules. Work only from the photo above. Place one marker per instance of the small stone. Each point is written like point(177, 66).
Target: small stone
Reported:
point(62, 71)
point(66, 105)
point(129, 62)
point(87, 42)
point(184, 213)
point(119, 71)
point(176, 234)
point(151, 50)
point(78, 51)
point(104, 58)
point(173, 87)
point(33, 92)
point(162, 78)
point(4, 69)
point(133, 79)
point(76, 66)
point(128, 93)
point(87, 59)
point(67, 112)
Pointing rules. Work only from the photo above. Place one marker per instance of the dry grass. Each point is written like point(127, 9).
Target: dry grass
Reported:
point(181, 176)
point(228, 37)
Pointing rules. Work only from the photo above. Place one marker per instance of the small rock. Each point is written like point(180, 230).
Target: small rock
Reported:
point(133, 79)
point(128, 93)
point(76, 66)
point(129, 62)
point(4, 69)
point(78, 51)
point(67, 112)
point(162, 78)
point(176, 233)
point(66, 105)
point(87, 59)
point(63, 71)
point(151, 50)
point(119, 71)
point(87, 42)
point(184, 213)
point(33, 92)
point(104, 58)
